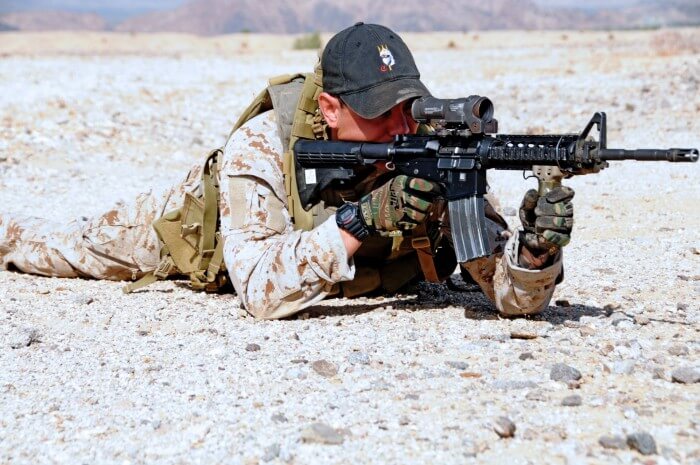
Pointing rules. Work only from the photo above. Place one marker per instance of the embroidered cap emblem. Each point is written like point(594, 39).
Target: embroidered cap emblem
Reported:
point(387, 58)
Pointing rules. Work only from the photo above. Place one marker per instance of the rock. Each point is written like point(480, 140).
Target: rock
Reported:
point(564, 373)
point(562, 303)
point(279, 418)
point(642, 442)
point(587, 331)
point(271, 452)
point(504, 427)
point(321, 433)
point(25, 337)
point(252, 347)
point(618, 317)
point(523, 334)
point(623, 367)
point(686, 375)
point(358, 358)
point(571, 401)
point(641, 320)
point(678, 349)
point(324, 368)
point(526, 356)
point(538, 396)
point(457, 365)
point(624, 324)
point(612, 442)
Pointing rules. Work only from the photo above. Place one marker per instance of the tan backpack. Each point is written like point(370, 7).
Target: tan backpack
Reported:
point(191, 244)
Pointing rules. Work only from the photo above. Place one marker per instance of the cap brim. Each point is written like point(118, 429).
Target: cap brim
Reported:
point(373, 102)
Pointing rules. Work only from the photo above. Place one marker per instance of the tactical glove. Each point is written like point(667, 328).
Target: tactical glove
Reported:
point(547, 220)
point(400, 204)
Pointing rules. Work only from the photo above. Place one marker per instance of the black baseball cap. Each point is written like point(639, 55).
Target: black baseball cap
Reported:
point(371, 69)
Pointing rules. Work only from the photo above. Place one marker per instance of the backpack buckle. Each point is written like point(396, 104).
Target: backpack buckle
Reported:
point(164, 268)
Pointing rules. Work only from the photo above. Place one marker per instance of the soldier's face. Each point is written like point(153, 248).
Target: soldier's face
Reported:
point(347, 125)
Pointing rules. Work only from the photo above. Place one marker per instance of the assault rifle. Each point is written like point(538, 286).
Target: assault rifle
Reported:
point(457, 156)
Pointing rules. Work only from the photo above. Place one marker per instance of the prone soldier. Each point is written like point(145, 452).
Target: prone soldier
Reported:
point(239, 218)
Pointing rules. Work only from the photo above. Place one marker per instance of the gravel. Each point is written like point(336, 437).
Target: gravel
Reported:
point(162, 376)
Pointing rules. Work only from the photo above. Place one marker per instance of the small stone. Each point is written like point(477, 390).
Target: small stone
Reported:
point(321, 433)
point(571, 401)
point(565, 373)
point(685, 375)
point(403, 421)
point(683, 307)
point(457, 365)
point(658, 372)
point(537, 396)
point(562, 303)
point(526, 356)
point(642, 442)
point(641, 320)
point(612, 442)
point(252, 347)
point(623, 367)
point(25, 337)
point(324, 368)
point(520, 334)
point(358, 358)
point(678, 349)
point(279, 418)
point(587, 331)
point(271, 452)
point(624, 324)
point(504, 427)
point(616, 317)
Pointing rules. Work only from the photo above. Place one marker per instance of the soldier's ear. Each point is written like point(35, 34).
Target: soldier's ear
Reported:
point(330, 106)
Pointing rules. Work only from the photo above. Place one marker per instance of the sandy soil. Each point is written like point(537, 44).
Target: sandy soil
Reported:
point(173, 376)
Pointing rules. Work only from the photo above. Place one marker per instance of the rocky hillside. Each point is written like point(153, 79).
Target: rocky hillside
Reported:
point(52, 20)
point(213, 17)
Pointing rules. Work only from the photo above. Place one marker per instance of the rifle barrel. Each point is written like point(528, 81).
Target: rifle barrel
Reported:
point(672, 155)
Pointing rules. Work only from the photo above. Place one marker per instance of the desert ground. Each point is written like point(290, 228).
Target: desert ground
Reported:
point(169, 375)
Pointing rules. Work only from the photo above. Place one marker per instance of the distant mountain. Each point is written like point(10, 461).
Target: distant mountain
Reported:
point(213, 17)
point(52, 20)
point(6, 27)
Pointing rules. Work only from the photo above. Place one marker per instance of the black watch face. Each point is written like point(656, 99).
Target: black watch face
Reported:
point(346, 215)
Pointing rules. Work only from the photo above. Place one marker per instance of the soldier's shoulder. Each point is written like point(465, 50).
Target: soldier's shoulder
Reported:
point(255, 150)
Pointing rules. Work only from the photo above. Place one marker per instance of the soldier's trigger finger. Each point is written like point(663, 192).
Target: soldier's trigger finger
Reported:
point(556, 223)
point(423, 185)
point(544, 208)
point(559, 194)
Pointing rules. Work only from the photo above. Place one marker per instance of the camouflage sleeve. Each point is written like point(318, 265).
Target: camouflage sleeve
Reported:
point(275, 270)
point(519, 291)
point(515, 290)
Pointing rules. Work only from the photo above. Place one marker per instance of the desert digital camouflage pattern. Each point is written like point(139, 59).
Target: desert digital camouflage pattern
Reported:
point(275, 269)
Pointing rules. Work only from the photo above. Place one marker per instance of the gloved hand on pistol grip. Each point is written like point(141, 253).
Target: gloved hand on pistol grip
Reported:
point(400, 204)
point(547, 220)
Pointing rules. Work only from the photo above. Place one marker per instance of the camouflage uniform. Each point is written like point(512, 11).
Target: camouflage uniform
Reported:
point(275, 269)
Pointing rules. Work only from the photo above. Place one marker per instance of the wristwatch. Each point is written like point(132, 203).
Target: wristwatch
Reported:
point(348, 217)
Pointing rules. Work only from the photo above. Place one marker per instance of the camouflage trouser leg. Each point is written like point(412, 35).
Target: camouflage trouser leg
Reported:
point(120, 244)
